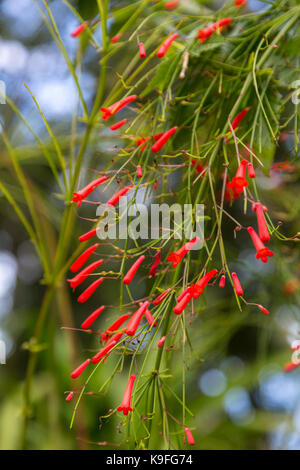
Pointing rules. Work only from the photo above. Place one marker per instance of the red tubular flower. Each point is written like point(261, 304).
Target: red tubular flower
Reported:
point(222, 281)
point(236, 284)
point(263, 310)
point(176, 257)
point(113, 201)
point(198, 167)
point(199, 286)
point(117, 125)
point(282, 166)
point(230, 192)
point(116, 38)
point(163, 139)
point(78, 371)
point(238, 118)
point(139, 171)
point(69, 396)
point(218, 25)
point(184, 292)
point(115, 326)
point(86, 236)
point(80, 277)
point(172, 4)
point(79, 29)
point(114, 340)
point(154, 266)
point(251, 171)
point(116, 337)
point(189, 436)
point(291, 366)
point(239, 182)
point(132, 271)
point(240, 3)
point(142, 50)
point(126, 402)
point(166, 44)
point(83, 193)
point(90, 320)
point(142, 141)
point(135, 319)
point(150, 318)
point(157, 136)
point(90, 290)
point(161, 341)
point(161, 297)
point(115, 107)
point(261, 222)
point(178, 309)
point(262, 251)
point(103, 352)
point(83, 258)
point(204, 34)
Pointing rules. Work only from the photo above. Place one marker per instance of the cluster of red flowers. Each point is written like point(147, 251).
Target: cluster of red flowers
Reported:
point(203, 34)
point(127, 325)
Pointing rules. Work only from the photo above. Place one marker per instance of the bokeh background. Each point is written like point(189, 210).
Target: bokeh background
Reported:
point(241, 397)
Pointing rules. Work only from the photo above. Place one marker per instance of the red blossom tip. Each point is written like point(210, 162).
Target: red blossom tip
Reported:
point(179, 308)
point(236, 284)
point(116, 38)
point(139, 171)
point(261, 222)
point(118, 125)
point(172, 4)
point(80, 277)
point(103, 352)
point(158, 300)
point(163, 139)
point(166, 45)
point(125, 406)
point(93, 317)
point(115, 107)
point(69, 396)
point(222, 281)
point(176, 257)
point(90, 290)
point(251, 171)
point(83, 258)
point(161, 341)
point(78, 371)
point(263, 310)
point(136, 318)
point(189, 436)
point(142, 50)
point(132, 271)
point(115, 326)
point(113, 201)
point(86, 236)
point(262, 251)
point(78, 30)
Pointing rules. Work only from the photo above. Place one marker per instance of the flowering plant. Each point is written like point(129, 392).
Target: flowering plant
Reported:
point(195, 117)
